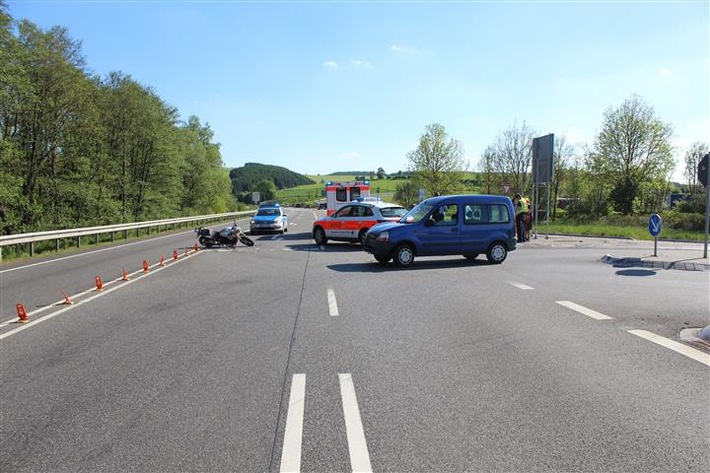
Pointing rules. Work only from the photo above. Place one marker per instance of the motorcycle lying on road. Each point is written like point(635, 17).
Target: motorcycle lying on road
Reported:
point(228, 236)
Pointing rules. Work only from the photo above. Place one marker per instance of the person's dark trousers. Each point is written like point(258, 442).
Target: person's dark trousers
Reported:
point(520, 226)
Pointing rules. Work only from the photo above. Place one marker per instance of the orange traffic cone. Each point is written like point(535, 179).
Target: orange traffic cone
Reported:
point(197, 247)
point(175, 255)
point(162, 261)
point(124, 276)
point(145, 266)
point(22, 314)
point(99, 283)
point(67, 301)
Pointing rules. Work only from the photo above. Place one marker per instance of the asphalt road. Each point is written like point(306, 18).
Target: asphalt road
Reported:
point(287, 356)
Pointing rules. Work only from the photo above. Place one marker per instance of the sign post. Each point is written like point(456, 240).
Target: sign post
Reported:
point(543, 153)
point(655, 224)
point(704, 177)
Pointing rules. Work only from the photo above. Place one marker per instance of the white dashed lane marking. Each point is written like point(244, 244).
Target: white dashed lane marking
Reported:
point(522, 286)
point(332, 303)
point(583, 310)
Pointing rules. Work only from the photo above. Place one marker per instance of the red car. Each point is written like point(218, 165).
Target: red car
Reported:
point(351, 222)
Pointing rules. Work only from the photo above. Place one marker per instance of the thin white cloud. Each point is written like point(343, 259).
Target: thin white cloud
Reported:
point(400, 49)
point(350, 154)
point(664, 72)
point(360, 63)
point(331, 64)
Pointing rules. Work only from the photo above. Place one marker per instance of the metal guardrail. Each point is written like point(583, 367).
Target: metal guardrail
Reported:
point(58, 235)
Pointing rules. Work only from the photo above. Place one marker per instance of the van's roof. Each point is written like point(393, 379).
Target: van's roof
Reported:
point(468, 197)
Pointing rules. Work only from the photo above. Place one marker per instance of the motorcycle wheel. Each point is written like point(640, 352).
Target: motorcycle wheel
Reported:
point(246, 240)
point(205, 242)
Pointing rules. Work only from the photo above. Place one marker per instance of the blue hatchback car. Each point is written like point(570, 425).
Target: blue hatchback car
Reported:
point(466, 225)
point(269, 218)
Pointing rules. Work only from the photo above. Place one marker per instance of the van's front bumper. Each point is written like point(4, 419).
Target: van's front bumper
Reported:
point(380, 249)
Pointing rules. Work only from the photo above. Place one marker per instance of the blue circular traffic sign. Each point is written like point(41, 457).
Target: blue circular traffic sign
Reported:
point(655, 224)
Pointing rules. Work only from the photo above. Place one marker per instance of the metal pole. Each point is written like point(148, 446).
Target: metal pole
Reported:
point(655, 246)
point(547, 230)
point(535, 209)
point(707, 217)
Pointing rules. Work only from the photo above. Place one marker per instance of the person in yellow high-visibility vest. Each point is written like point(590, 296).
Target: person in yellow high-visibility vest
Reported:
point(522, 208)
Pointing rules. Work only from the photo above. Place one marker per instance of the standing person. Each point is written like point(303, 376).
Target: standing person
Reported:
point(521, 209)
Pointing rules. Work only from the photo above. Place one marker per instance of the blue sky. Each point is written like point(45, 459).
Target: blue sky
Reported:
point(326, 86)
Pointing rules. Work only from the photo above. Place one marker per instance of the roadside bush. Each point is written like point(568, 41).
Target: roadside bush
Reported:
point(586, 210)
point(694, 204)
point(677, 220)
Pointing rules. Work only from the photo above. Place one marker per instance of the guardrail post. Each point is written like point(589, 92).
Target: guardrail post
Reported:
point(32, 248)
point(78, 242)
point(113, 236)
point(97, 240)
point(56, 244)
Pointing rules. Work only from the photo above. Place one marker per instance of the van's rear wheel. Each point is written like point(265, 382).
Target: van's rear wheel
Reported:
point(404, 255)
point(497, 252)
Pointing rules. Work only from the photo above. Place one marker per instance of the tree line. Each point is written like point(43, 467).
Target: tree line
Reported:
point(80, 150)
point(625, 171)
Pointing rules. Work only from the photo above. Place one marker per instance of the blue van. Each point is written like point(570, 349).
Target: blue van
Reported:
point(465, 225)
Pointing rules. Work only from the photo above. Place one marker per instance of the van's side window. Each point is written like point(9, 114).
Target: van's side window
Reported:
point(475, 213)
point(499, 214)
point(446, 215)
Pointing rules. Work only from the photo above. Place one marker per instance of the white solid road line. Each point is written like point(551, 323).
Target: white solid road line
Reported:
point(524, 287)
point(696, 355)
point(92, 252)
point(89, 299)
point(293, 436)
point(332, 303)
point(359, 456)
point(583, 310)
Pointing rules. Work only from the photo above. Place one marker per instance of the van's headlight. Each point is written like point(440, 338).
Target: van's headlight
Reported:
point(252, 222)
point(383, 236)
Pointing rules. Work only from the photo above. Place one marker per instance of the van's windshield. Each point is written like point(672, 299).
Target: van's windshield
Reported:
point(417, 214)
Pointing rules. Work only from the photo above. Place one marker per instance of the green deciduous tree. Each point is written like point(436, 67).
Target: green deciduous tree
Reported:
point(632, 147)
point(406, 194)
point(437, 164)
point(509, 158)
point(267, 189)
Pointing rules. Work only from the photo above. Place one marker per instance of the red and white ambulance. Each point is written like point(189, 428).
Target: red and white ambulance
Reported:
point(337, 194)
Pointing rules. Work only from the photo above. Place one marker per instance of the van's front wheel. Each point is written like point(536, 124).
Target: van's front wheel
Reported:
point(403, 255)
point(497, 252)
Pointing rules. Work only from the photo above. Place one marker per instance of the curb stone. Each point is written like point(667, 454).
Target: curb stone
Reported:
point(629, 262)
